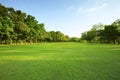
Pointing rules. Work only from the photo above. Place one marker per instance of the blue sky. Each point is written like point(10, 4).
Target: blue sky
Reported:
point(72, 17)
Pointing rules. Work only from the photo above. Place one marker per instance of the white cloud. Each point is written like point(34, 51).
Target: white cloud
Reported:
point(97, 8)
point(93, 9)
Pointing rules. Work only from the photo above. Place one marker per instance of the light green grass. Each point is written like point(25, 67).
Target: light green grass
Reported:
point(60, 61)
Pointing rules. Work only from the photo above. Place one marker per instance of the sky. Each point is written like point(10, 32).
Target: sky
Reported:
point(71, 17)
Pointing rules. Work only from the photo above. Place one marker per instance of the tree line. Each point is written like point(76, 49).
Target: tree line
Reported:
point(18, 27)
point(101, 33)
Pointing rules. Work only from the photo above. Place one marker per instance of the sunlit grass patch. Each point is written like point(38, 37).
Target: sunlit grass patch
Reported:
point(60, 61)
point(30, 58)
point(10, 51)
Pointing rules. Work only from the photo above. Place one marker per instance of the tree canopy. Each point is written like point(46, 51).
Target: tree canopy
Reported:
point(103, 33)
point(18, 27)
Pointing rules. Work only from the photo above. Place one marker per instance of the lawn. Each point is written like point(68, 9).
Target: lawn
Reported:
point(60, 61)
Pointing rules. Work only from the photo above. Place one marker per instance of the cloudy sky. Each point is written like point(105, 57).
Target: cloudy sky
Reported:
point(72, 17)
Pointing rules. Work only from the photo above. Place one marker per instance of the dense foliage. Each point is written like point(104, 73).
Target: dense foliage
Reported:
point(18, 27)
point(103, 33)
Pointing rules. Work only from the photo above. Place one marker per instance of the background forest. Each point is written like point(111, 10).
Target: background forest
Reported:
point(18, 27)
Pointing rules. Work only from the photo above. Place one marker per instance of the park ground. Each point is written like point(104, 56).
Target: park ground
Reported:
point(60, 61)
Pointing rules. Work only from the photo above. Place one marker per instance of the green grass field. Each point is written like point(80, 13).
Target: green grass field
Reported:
point(60, 61)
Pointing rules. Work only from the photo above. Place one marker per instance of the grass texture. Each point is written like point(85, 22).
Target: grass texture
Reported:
point(60, 61)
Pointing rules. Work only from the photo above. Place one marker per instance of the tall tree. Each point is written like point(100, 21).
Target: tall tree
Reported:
point(16, 26)
point(110, 33)
point(6, 29)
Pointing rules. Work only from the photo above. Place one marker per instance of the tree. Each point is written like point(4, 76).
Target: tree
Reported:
point(66, 38)
point(40, 32)
point(21, 29)
point(6, 29)
point(94, 34)
point(3, 11)
point(117, 24)
point(16, 26)
point(31, 23)
point(111, 33)
point(74, 39)
point(57, 36)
